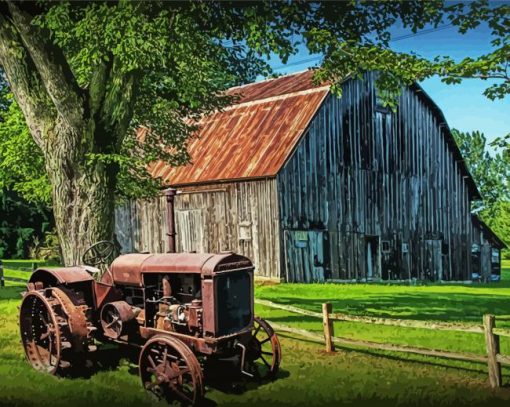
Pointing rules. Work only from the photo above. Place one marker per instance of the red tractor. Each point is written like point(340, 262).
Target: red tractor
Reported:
point(179, 309)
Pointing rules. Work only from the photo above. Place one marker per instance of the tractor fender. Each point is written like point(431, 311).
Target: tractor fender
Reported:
point(63, 275)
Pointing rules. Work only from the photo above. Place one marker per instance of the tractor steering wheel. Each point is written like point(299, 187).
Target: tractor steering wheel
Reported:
point(99, 253)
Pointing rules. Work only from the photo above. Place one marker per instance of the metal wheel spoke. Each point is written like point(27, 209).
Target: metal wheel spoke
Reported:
point(265, 340)
point(182, 395)
point(267, 353)
point(265, 362)
point(50, 348)
point(151, 361)
point(44, 335)
point(113, 322)
point(184, 370)
point(165, 354)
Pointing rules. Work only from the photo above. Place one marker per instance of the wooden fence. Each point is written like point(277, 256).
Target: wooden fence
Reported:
point(4, 278)
point(493, 358)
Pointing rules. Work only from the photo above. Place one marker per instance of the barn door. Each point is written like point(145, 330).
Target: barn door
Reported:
point(305, 256)
point(433, 260)
point(190, 228)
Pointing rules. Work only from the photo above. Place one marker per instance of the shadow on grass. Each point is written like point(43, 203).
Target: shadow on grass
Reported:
point(222, 375)
point(419, 306)
point(408, 358)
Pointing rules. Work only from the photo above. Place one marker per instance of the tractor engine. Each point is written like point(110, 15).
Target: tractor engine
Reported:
point(181, 313)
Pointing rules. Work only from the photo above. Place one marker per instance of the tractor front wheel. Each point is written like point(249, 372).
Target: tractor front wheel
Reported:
point(170, 371)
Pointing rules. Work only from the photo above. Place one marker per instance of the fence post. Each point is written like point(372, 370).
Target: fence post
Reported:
point(328, 327)
point(492, 345)
point(2, 279)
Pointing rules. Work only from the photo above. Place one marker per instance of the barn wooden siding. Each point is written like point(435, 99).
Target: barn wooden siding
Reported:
point(238, 216)
point(364, 180)
point(140, 225)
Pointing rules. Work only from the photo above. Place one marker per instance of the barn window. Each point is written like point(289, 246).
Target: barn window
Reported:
point(245, 230)
point(385, 246)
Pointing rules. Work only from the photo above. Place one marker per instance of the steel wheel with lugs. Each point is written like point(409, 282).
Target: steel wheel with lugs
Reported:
point(170, 371)
point(53, 329)
point(263, 352)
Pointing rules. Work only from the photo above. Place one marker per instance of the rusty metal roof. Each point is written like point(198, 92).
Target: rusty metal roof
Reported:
point(252, 138)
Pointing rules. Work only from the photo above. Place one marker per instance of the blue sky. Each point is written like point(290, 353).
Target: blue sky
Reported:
point(464, 105)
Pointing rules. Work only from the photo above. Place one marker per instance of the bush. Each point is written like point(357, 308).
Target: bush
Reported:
point(21, 223)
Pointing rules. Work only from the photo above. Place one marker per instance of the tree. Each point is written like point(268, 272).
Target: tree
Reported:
point(86, 75)
point(21, 224)
point(491, 172)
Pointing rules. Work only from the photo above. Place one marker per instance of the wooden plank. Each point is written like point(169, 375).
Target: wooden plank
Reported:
point(492, 346)
point(378, 321)
point(501, 331)
point(503, 359)
point(471, 357)
point(409, 323)
point(288, 308)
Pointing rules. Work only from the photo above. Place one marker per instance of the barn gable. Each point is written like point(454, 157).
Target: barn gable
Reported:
point(374, 194)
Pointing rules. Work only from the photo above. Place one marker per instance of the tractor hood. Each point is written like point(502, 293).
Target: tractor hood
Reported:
point(129, 268)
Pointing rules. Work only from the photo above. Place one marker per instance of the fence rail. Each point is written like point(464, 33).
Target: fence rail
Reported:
point(493, 358)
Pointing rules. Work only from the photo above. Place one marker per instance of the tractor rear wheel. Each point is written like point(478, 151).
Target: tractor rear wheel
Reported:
point(53, 330)
point(170, 371)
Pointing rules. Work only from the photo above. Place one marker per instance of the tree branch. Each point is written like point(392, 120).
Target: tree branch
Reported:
point(118, 106)
point(53, 68)
point(24, 81)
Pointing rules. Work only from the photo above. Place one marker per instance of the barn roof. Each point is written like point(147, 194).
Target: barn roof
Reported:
point(489, 233)
point(252, 138)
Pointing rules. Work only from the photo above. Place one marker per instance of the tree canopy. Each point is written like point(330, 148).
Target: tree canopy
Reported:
point(86, 75)
point(491, 172)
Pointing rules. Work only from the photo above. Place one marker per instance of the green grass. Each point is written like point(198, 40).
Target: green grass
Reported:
point(458, 303)
point(308, 376)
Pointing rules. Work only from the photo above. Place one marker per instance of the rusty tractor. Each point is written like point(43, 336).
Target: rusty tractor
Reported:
point(179, 310)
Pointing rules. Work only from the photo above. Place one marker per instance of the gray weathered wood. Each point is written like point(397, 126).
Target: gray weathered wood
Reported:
point(381, 346)
point(328, 327)
point(492, 347)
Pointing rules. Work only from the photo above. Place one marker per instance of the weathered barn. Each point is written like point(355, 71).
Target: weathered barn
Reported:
point(314, 187)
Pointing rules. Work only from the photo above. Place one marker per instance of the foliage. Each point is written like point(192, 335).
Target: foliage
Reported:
point(491, 172)
point(183, 55)
point(352, 57)
point(21, 222)
point(21, 160)
point(48, 249)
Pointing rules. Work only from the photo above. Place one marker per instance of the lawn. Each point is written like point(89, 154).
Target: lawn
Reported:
point(434, 302)
point(308, 376)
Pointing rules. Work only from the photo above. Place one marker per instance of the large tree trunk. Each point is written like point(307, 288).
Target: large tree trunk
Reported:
point(69, 123)
point(83, 197)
